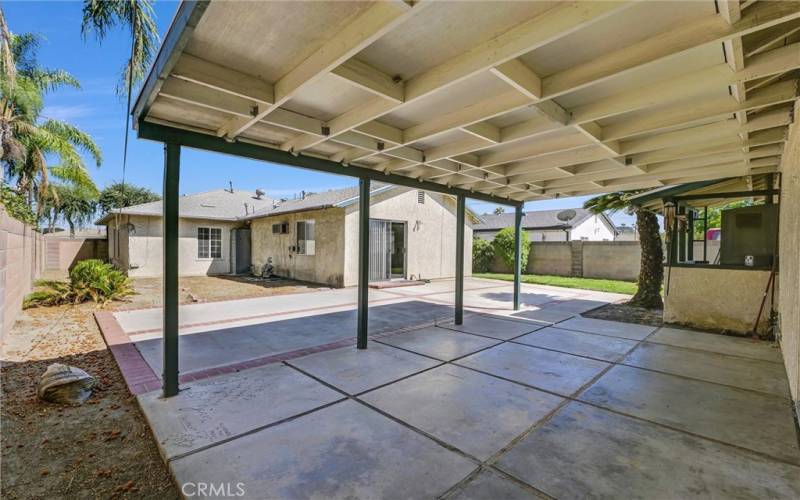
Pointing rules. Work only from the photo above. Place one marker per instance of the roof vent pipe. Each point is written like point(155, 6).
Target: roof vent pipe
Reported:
point(259, 193)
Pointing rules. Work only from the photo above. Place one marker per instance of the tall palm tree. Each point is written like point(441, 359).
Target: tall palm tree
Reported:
point(100, 16)
point(28, 138)
point(651, 271)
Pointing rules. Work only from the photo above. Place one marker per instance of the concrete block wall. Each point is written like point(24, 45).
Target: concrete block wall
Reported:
point(21, 263)
point(618, 260)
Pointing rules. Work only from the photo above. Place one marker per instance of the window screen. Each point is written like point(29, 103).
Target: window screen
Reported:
point(305, 237)
point(209, 243)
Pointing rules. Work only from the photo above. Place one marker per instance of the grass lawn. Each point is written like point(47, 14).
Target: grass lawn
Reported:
point(627, 287)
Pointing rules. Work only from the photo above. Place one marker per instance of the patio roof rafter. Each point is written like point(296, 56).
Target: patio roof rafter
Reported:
point(537, 121)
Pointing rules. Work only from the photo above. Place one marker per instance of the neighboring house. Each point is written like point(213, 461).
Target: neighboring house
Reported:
point(545, 225)
point(206, 221)
point(313, 238)
point(627, 233)
point(412, 236)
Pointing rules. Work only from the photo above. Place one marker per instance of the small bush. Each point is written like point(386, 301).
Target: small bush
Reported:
point(504, 247)
point(482, 255)
point(90, 279)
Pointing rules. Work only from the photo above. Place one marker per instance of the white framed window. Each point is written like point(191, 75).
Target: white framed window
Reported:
point(209, 243)
point(305, 237)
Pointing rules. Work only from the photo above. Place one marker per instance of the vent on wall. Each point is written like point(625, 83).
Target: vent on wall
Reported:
point(421, 197)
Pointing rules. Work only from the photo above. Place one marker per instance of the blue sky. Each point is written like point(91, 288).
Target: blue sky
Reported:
point(99, 111)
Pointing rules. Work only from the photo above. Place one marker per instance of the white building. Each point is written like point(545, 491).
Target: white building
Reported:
point(545, 225)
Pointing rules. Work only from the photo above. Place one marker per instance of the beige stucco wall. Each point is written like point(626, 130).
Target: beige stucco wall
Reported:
point(716, 299)
point(327, 263)
point(142, 256)
point(789, 293)
point(616, 260)
point(431, 228)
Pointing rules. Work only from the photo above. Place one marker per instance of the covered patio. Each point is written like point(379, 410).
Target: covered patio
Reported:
point(505, 103)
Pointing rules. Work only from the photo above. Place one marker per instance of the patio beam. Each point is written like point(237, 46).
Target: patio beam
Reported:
point(460, 209)
point(517, 254)
point(363, 263)
point(207, 142)
point(169, 377)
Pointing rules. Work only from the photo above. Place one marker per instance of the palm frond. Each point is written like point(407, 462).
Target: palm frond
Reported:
point(100, 16)
point(74, 136)
point(51, 79)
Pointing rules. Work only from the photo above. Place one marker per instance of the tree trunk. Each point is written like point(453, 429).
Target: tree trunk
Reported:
point(651, 271)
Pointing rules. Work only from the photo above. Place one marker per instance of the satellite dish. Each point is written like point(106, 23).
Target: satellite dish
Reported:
point(566, 215)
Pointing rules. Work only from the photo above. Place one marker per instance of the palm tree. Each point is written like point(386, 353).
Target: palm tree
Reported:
point(651, 271)
point(76, 205)
point(27, 138)
point(100, 16)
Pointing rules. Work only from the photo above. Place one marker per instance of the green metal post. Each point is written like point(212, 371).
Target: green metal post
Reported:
point(517, 254)
point(363, 262)
point(460, 259)
point(172, 167)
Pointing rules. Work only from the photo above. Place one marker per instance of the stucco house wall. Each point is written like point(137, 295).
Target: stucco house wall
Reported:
point(716, 299)
point(789, 291)
point(327, 263)
point(593, 229)
point(431, 234)
point(141, 247)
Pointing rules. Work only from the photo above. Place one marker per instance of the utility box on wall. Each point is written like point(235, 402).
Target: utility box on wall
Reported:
point(748, 231)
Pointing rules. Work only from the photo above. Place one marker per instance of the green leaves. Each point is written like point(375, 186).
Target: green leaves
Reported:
point(504, 247)
point(119, 195)
point(482, 255)
point(100, 16)
point(90, 279)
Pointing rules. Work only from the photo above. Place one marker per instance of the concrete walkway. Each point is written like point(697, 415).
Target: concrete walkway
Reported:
point(504, 406)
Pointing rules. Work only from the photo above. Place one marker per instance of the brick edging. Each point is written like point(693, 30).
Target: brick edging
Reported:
point(138, 375)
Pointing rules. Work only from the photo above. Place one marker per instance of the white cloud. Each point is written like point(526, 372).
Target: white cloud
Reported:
point(67, 113)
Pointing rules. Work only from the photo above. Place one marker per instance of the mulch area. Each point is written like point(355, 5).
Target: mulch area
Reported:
point(101, 449)
point(627, 314)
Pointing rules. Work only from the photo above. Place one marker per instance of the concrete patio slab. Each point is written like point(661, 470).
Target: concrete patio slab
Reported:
point(492, 326)
point(224, 346)
point(577, 306)
point(473, 412)
point(586, 452)
point(439, 343)
point(579, 343)
point(722, 344)
point(222, 407)
point(342, 451)
point(756, 375)
point(488, 484)
point(354, 371)
point(748, 419)
point(552, 371)
point(610, 328)
point(544, 315)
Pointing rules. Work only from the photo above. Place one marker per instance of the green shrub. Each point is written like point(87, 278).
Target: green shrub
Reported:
point(90, 279)
point(482, 255)
point(16, 205)
point(504, 247)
